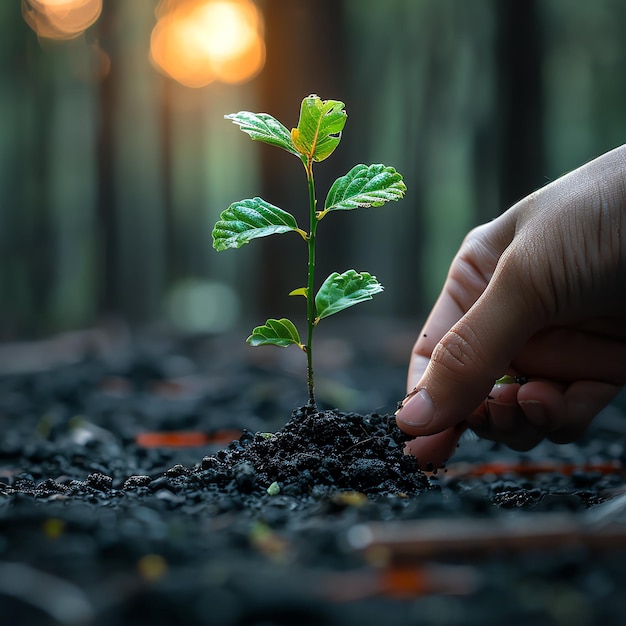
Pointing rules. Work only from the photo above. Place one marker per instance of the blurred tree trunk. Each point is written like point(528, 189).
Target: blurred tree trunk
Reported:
point(519, 83)
point(108, 245)
point(131, 214)
point(27, 268)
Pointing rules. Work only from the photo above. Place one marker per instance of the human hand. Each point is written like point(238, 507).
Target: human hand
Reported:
point(540, 292)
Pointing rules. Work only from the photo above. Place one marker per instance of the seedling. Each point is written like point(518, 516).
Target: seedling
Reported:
point(314, 139)
point(510, 380)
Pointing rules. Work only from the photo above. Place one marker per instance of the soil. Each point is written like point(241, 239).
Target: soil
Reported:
point(166, 480)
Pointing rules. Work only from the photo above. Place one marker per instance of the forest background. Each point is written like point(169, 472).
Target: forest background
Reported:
point(112, 171)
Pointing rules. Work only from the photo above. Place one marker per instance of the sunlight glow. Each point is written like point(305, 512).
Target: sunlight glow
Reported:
point(198, 41)
point(60, 19)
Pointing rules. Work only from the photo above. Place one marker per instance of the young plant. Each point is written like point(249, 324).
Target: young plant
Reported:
point(314, 139)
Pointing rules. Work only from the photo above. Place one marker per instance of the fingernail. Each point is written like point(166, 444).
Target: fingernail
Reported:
point(418, 410)
point(535, 412)
point(502, 415)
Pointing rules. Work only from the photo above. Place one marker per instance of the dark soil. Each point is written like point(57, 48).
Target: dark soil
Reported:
point(98, 529)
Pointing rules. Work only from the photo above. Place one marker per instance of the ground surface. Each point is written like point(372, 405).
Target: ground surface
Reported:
point(275, 519)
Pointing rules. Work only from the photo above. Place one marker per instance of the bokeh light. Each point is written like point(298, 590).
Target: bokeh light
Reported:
point(60, 19)
point(196, 42)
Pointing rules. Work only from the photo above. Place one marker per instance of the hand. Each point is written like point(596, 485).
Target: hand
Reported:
point(540, 292)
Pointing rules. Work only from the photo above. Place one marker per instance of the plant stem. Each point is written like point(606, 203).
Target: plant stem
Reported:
point(310, 299)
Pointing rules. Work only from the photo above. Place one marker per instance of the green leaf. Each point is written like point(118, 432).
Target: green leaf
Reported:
point(249, 219)
point(300, 291)
point(319, 127)
point(280, 333)
point(364, 186)
point(505, 380)
point(265, 128)
point(341, 291)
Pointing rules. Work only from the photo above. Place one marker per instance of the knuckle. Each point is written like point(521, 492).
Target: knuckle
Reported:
point(458, 353)
point(527, 266)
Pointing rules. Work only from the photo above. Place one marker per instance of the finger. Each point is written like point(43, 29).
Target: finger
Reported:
point(517, 433)
point(501, 419)
point(434, 451)
point(501, 406)
point(543, 404)
point(568, 354)
point(474, 353)
point(545, 410)
point(467, 279)
point(583, 400)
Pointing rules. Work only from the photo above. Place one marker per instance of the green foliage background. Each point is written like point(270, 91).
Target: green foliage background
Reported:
point(111, 176)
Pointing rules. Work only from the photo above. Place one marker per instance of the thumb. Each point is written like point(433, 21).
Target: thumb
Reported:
point(433, 452)
point(470, 357)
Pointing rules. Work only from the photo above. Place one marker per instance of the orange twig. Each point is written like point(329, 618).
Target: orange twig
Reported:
point(185, 439)
point(532, 468)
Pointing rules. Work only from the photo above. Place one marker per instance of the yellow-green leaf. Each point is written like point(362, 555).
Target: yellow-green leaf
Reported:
point(319, 128)
point(301, 291)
